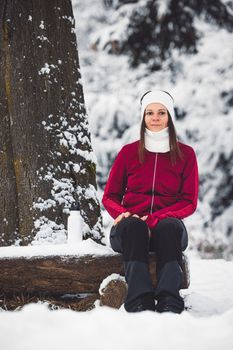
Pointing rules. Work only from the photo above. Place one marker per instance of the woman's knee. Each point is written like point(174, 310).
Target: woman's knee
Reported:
point(169, 225)
point(130, 227)
point(132, 224)
point(135, 239)
point(133, 231)
point(172, 228)
point(115, 240)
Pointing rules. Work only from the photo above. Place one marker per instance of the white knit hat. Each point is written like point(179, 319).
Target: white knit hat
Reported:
point(158, 96)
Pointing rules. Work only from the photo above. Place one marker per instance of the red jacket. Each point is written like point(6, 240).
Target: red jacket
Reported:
point(155, 188)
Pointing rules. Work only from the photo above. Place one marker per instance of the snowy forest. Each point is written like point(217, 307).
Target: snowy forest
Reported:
point(187, 51)
point(72, 73)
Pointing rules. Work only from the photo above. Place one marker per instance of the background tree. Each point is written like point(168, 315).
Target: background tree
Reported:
point(46, 158)
point(154, 28)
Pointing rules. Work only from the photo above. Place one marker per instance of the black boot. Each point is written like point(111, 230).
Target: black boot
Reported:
point(142, 303)
point(169, 303)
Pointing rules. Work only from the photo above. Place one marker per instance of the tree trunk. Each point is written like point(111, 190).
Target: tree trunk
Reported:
point(57, 275)
point(46, 158)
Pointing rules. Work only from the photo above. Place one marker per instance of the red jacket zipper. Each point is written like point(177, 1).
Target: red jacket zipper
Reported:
point(153, 184)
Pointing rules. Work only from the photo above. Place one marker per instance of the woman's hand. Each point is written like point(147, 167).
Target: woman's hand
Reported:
point(121, 216)
point(126, 215)
point(144, 217)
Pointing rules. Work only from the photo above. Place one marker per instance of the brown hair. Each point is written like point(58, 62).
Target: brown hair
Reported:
point(175, 151)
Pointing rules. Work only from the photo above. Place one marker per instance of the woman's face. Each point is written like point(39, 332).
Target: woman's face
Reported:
point(156, 117)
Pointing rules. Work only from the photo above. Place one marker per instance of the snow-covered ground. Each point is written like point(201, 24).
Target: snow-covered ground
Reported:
point(208, 324)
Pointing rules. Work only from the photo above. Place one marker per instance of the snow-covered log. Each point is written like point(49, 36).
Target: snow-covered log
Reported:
point(59, 275)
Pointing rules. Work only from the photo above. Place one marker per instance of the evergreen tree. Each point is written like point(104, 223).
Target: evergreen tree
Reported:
point(155, 27)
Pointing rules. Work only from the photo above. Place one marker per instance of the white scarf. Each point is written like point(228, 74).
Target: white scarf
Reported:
point(157, 141)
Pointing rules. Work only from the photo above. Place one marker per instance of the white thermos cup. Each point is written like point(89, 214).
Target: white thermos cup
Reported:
point(74, 225)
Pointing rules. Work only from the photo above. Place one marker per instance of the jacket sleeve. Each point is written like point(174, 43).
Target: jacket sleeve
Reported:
point(187, 203)
point(115, 187)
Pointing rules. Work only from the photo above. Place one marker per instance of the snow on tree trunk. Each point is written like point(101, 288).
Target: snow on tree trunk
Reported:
point(46, 158)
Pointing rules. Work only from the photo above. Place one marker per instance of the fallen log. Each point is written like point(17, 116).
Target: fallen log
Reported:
point(59, 275)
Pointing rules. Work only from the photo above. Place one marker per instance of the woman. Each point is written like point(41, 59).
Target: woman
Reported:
point(152, 185)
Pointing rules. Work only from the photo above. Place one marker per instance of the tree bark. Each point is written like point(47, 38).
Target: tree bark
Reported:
point(58, 275)
point(46, 158)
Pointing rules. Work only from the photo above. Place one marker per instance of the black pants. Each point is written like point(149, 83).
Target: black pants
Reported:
point(168, 239)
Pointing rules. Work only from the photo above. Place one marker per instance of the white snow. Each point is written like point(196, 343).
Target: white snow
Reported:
point(208, 325)
point(42, 26)
point(162, 7)
point(42, 38)
point(87, 246)
point(113, 276)
point(48, 232)
point(45, 69)
point(70, 19)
